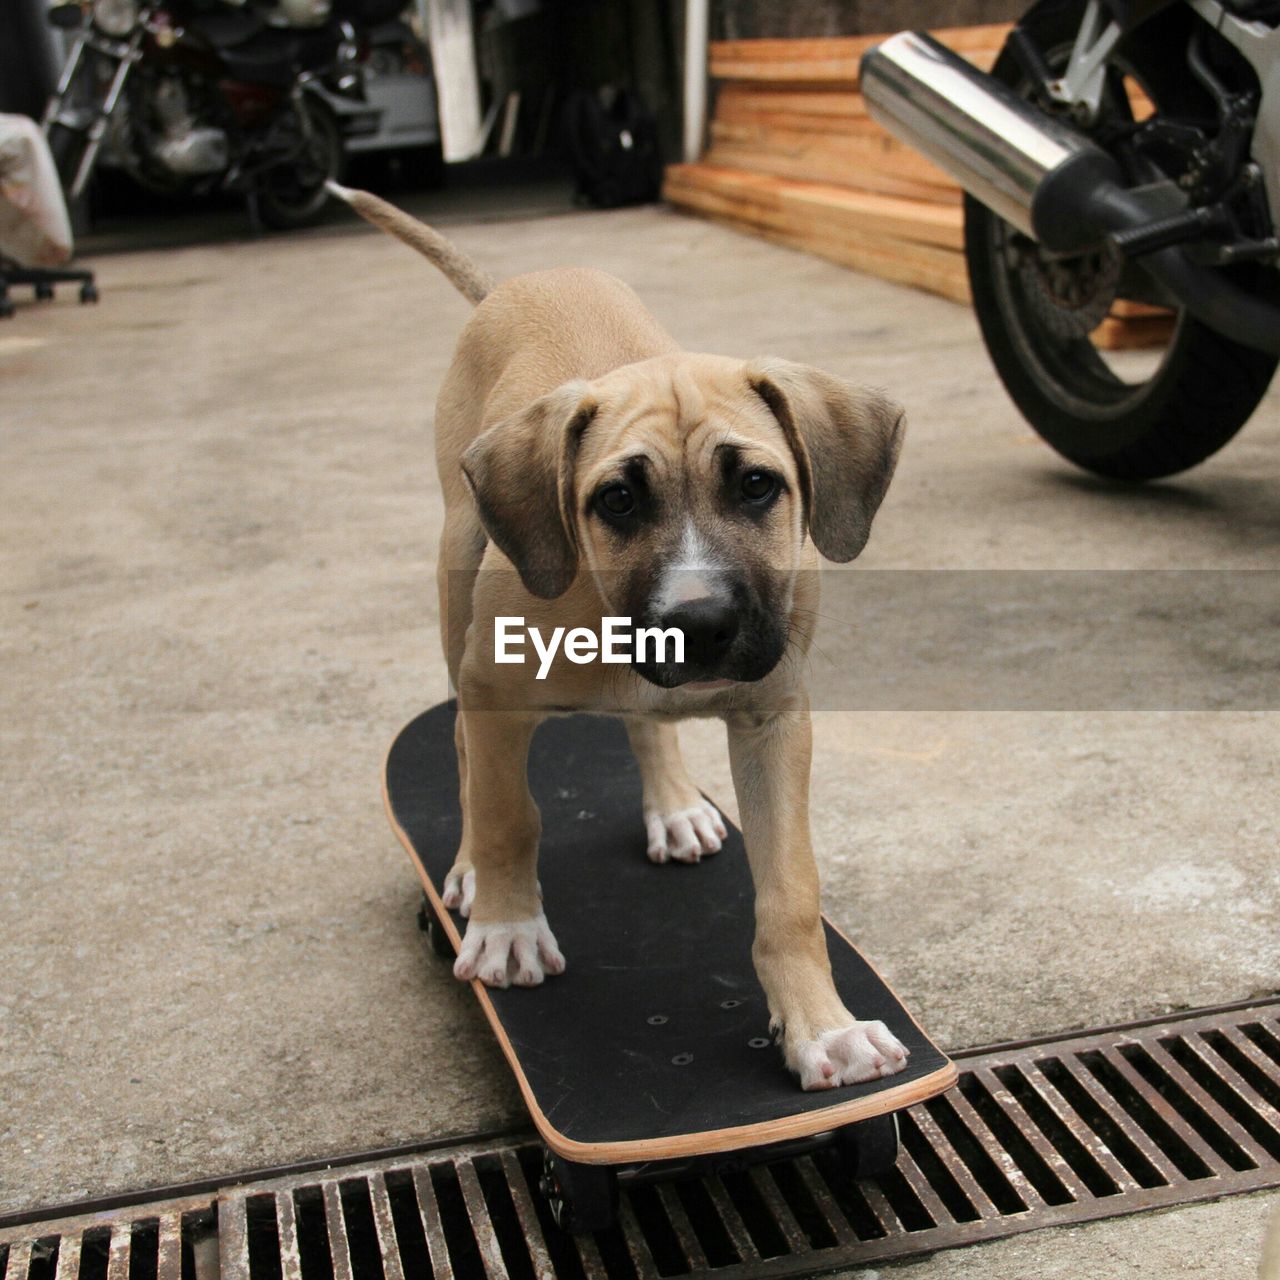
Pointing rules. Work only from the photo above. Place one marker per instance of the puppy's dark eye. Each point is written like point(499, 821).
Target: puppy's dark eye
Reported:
point(758, 486)
point(616, 500)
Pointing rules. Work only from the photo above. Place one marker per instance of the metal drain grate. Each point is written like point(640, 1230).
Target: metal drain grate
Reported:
point(1088, 1127)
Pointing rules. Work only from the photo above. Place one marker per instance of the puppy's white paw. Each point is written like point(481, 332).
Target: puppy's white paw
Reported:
point(459, 891)
point(849, 1055)
point(686, 834)
point(522, 952)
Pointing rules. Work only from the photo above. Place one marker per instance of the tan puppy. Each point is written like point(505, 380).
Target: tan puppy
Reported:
point(591, 468)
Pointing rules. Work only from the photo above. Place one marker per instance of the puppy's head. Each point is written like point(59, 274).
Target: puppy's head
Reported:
point(687, 485)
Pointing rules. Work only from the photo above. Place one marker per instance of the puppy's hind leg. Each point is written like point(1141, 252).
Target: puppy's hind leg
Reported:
point(461, 550)
point(460, 883)
point(462, 547)
point(680, 823)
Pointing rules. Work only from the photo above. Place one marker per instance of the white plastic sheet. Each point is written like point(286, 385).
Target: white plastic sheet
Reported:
point(34, 228)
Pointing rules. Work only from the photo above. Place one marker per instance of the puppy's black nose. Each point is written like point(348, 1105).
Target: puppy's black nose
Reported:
point(709, 628)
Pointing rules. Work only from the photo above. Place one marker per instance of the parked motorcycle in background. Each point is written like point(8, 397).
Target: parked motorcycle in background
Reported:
point(1120, 149)
point(189, 96)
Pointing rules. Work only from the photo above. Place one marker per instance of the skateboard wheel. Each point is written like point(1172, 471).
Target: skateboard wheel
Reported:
point(581, 1197)
point(440, 941)
point(869, 1147)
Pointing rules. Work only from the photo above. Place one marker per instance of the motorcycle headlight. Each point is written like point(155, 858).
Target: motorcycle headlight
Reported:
point(115, 17)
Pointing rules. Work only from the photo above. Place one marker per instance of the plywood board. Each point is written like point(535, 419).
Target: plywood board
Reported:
point(834, 60)
point(820, 208)
point(793, 153)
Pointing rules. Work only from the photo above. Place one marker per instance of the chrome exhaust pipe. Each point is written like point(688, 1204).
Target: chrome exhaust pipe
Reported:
point(1044, 177)
point(1019, 162)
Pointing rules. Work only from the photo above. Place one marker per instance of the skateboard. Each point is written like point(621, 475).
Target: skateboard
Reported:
point(650, 1056)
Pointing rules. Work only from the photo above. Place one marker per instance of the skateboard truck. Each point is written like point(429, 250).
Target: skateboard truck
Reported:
point(648, 1059)
point(440, 941)
point(584, 1197)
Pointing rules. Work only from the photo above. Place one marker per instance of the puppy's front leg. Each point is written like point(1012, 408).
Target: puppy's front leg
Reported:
point(508, 938)
point(822, 1041)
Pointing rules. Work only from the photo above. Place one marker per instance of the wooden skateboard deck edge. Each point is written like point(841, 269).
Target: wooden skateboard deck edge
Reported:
point(707, 1142)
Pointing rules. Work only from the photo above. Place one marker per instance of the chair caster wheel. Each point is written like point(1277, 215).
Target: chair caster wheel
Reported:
point(869, 1147)
point(44, 292)
point(6, 308)
point(582, 1197)
point(440, 941)
point(88, 293)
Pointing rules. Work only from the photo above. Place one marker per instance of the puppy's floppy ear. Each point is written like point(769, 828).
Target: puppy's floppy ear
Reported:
point(521, 473)
point(846, 441)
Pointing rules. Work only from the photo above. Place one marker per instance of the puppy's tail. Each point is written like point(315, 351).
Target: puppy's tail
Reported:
point(469, 280)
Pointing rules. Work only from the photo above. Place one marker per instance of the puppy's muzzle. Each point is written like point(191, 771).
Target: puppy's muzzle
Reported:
point(709, 627)
point(727, 634)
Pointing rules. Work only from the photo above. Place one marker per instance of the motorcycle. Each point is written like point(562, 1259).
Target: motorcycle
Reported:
point(189, 96)
point(1118, 150)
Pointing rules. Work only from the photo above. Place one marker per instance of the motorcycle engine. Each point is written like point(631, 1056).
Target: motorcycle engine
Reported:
point(185, 147)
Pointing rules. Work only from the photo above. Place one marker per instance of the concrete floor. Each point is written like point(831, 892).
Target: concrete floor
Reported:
point(218, 532)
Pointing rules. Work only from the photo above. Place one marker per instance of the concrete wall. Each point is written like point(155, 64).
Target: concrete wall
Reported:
point(754, 19)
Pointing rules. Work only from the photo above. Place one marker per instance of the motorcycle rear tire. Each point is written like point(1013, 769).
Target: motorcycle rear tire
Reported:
point(1206, 386)
point(294, 196)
